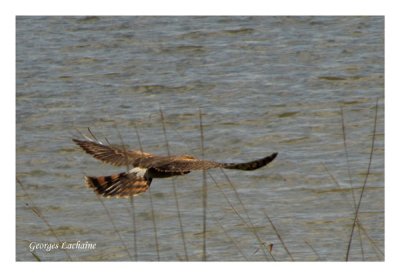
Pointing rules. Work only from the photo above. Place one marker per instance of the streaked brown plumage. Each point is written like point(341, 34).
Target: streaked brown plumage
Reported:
point(147, 166)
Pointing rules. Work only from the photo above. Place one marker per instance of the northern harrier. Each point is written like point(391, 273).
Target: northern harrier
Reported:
point(146, 167)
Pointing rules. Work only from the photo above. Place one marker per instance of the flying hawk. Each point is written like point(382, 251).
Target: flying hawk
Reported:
point(147, 166)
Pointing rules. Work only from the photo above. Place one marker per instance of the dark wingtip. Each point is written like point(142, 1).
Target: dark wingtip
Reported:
point(271, 157)
point(80, 143)
point(253, 165)
point(77, 141)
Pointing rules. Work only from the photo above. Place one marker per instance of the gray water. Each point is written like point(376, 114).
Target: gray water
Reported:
point(263, 84)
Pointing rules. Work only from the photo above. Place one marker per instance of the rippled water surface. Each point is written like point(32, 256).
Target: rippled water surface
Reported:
point(263, 84)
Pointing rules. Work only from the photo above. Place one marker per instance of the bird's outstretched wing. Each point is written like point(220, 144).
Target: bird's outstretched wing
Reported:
point(114, 155)
point(118, 156)
point(184, 164)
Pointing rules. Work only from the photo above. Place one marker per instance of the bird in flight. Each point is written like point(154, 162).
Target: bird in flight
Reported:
point(146, 167)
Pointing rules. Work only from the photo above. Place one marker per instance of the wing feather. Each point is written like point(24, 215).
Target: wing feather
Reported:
point(114, 155)
point(183, 164)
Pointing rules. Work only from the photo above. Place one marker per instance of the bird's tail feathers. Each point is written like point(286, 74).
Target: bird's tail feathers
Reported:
point(118, 185)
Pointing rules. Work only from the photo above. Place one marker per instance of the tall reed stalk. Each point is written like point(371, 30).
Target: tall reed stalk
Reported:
point(350, 178)
point(249, 223)
point(31, 204)
point(153, 219)
point(279, 236)
point(204, 190)
point(110, 218)
point(365, 183)
point(174, 190)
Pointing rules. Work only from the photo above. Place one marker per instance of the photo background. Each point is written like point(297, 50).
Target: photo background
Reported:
point(264, 84)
